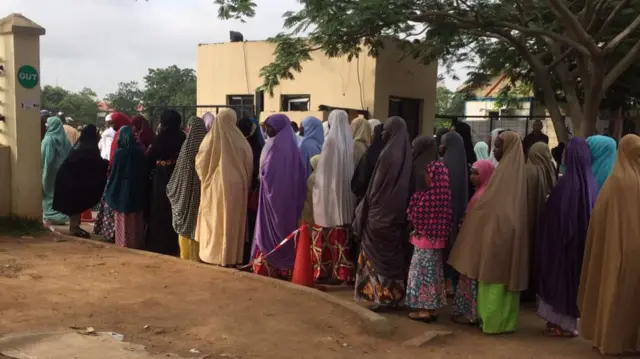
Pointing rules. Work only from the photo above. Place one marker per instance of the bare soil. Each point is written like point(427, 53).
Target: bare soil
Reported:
point(173, 306)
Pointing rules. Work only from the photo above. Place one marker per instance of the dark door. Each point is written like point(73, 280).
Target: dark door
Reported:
point(409, 110)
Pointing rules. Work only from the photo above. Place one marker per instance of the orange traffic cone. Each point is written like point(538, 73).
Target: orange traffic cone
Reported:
point(87, 216)
point(302, 269)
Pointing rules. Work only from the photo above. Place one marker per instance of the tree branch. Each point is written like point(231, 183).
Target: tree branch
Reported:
point(559, 59)
point(610, 18)
point(621, 66)
point(622, 35)
point(574, 26)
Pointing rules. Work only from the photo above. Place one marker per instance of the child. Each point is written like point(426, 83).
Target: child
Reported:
point(430, 214)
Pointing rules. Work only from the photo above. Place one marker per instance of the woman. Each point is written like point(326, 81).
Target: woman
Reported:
point(492, 146)
point(441, 132)
point(224, 164)
point(142, 132)
point(425, 151)
point(465, 308)
point(464, 130)
point(333, 201)
point(608, 294)
point(126, 191)
point(54, 149)
point(282, 194)
point(312, 140)
point(430, 214)
point(558, 154)
point(366, 165)
point(162, 157)
point(603, 156)
point(455, 159)
point(373, 123)
point(208, 119)
point(81, 180)
point(44, 116)
point(251, 131)
point(361, 137)
point(493, 244)
point(481, 149)
point(540, 181)
point(105, 222)
point(307, 211)
point(561, 240)
point(380, 222)
point(183, 191)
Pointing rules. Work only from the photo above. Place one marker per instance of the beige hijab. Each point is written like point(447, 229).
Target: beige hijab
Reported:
point(361, 138)
point(493, 243)
point(541, 177)
point(609, 285)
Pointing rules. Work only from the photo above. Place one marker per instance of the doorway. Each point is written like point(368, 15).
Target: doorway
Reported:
point(409, 110)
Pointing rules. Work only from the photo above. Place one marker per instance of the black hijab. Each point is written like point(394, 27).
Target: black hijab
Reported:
point(464, 130)
point(367, 164)
point(251, 132)
point(166, 146)
point(425, 150)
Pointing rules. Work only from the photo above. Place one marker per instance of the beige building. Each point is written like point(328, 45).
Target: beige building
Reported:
point(228, 73)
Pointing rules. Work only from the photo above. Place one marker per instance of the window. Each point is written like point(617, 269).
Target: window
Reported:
point(245, 101)
point(295, 102)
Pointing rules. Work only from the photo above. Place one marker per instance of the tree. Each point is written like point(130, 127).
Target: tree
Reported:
point(127, 98)
point(449, 102)
point(586, 42)
point(81, 106)
point(170, 86)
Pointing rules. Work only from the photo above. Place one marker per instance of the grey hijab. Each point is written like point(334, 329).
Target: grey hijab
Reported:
point(455, 159)
point(425, 150)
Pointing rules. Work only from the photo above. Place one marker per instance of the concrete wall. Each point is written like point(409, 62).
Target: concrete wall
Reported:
point(5, 180)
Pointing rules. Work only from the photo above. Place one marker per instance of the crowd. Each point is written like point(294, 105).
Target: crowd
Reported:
point(407, 224)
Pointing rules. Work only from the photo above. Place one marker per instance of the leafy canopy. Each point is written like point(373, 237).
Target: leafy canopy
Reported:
point(81, 106)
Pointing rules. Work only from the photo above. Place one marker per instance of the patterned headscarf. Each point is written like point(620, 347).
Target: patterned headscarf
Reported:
point(183, 189)
point(430, 210)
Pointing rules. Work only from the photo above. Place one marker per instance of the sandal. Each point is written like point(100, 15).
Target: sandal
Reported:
point(379, 308)
point(421, 317)
point(558, 333)
point(80, 233)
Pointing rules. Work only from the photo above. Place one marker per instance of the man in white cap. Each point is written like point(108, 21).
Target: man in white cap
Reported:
point(107, 138)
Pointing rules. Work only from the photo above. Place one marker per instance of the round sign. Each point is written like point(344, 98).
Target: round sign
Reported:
point(28, 76)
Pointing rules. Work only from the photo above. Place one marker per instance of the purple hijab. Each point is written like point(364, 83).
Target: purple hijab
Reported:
point(562, 231)
point(283, 190)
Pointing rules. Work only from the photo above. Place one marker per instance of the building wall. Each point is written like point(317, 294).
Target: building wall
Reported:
point(234, 69)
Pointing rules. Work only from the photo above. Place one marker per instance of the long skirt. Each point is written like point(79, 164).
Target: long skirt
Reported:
point(261, 265)
point(498, 308)
point(465, 301)
point(161, 237)
point(189, 249)
point(554, 318)
point(375, 287)
point(426, 287)
point(105, 222)
point(129, 229)
point(331, 254)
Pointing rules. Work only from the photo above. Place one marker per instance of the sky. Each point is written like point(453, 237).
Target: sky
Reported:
point(98, 43)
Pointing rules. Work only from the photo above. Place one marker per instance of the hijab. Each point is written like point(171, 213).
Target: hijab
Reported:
point(430, 209)
point(312, 140)
point(208, 119)
point(494, 136)
point(55, 139)
point(367, 164)
point(168, 143)
point(557, 153)
point(118, 120)
point(481, 149)
point(540, 181)
point(333, 201)
point(441, 132)
point(259, 136)
point(425, 151)
point(464, 130)
point(603, 156)
point(562, 232)
point(252, 133)
point(183, 189)
point(361, 137)
point(485, 170)
point(380, 217)
point(127, 186)
point(493, 243)
point(456, 161)
point(142, 130)
point(283, 186)
point(373, 123)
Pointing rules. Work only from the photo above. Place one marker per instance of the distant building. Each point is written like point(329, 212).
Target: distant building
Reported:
point(228, 74)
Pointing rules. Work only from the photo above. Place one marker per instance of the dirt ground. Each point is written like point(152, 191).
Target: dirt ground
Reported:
point(172, 306)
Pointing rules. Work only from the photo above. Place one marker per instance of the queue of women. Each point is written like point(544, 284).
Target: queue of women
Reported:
point(413, 225)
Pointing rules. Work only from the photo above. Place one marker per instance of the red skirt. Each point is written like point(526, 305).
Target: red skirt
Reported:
point(331, 249)
point(129, 229)
point(261, 266)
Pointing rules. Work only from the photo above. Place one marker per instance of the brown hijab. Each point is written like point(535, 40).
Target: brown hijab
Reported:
point(493, 243)
point(380, 216)
point(609, 292)
point(541, 177)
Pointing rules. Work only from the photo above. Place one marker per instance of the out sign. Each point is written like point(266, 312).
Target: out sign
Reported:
point(28, 76)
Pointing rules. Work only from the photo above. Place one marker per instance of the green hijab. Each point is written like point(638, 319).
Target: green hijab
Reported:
point(54, 149)
point(127, 186)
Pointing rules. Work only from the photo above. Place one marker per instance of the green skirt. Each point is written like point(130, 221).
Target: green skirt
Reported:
point(498, 308)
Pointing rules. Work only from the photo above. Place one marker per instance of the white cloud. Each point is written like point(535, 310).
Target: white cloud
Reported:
point(99, 43)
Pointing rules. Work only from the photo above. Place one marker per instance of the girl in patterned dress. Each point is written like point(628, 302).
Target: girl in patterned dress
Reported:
point(429, 212)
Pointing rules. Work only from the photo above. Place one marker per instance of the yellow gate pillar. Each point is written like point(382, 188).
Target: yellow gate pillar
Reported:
point(20, 115)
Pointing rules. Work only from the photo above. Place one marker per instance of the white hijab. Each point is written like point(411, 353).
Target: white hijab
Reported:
point(373, 123)
point(492, 157)
point(325, 128)
point(333, 201)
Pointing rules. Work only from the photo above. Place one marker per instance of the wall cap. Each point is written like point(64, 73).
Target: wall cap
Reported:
point(18, 24)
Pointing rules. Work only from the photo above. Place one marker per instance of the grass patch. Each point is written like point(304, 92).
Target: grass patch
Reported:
point(19, 226)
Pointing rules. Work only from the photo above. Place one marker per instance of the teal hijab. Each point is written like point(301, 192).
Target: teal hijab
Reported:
point(481, 150)
point(603, 155)
point(127, 185)
point(54, 149)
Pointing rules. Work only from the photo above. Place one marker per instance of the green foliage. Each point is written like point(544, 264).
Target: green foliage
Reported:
point(127, 98)
point(81, 106)
point(171, 85)
point(449, 102)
